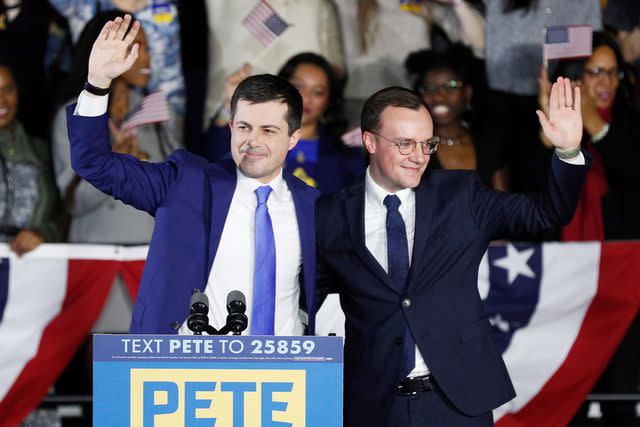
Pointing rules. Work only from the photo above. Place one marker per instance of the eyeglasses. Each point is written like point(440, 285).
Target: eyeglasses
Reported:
point(612, 73)
point(407, 146)
point(443, 88)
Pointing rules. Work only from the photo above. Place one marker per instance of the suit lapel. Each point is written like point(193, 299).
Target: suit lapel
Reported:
point(354, 207)
point(223, 185)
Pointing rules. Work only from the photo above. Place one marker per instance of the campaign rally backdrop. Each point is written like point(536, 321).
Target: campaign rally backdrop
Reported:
point(558, 311)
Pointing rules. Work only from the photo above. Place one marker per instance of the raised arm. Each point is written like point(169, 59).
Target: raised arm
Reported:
point(563, 127)
point(110, 55)
point(498, 213)
point(138, 183)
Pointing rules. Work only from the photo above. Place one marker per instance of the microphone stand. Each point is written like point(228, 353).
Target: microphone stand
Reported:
point(199, 323)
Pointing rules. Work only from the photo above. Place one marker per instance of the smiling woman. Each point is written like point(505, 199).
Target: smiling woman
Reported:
point(28, 197)
point(444, 82)
point(610, 203)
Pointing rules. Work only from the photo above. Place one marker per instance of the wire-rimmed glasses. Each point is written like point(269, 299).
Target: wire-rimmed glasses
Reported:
point(406, 146)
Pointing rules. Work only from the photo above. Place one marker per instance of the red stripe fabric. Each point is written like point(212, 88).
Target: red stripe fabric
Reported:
point(88, 285)
point(608, 317)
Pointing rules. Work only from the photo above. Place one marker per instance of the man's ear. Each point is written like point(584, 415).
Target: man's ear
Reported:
point(368, 141)
point(294, 138)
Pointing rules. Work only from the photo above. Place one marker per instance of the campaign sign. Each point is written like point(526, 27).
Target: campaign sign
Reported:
point(224, 381)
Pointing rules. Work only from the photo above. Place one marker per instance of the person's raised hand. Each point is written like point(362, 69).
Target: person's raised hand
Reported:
point(563, 127)
point(233, 80)
point(111, 54)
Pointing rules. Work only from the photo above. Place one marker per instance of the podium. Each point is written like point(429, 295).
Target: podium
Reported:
point(217, 381)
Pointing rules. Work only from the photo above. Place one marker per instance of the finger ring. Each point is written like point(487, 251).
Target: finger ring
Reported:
point(569, 105)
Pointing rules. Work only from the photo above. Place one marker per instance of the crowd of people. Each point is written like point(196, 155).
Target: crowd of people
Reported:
point(477, 66)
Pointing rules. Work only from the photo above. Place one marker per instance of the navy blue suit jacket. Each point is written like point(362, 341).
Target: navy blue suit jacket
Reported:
point(456, 217)
point(189, 199)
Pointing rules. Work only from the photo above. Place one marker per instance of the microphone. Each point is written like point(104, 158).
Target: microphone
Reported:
point(236, 306)
point(198, 319)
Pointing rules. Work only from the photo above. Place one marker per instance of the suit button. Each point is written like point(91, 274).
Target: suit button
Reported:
point(397, 340)
point(406, 303)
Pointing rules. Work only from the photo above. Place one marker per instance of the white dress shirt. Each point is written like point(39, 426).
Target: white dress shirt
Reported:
point(232, 267)
point(375, 231)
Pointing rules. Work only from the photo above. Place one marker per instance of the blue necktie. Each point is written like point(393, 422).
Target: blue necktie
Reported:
point(398, 257)
point(264, 270)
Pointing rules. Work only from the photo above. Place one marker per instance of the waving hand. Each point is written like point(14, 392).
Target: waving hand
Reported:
point(110, 55)
point(563, 127)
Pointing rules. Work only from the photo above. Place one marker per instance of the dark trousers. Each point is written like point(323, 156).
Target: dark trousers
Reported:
point(431, 409)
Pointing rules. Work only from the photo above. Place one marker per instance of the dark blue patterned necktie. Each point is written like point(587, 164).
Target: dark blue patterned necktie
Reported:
point(264, 270)
point(398, 257)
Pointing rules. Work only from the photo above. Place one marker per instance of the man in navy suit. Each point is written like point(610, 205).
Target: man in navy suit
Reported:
point(240, 224)
point(402, 249)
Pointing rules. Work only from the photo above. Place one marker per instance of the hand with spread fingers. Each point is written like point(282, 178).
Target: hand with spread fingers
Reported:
point(563, 127)
point(112, 53)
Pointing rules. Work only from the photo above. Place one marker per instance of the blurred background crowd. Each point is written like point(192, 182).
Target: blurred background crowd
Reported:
point(478, 65)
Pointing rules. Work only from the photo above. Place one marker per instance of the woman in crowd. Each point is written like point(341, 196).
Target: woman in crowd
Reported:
point(379, 34)
point(28, 196)
point(513, 55)
point(444, 81)
point(320, 159)
point(94, 216)
point(610, 204)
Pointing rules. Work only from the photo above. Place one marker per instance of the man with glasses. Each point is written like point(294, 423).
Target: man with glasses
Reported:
point(403, 248)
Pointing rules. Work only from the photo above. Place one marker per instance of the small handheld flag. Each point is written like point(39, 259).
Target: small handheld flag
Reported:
point(153, 109)
point(566, 42)
point(264, 23)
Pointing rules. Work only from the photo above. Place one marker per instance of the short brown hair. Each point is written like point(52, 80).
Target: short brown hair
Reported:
point(394, 96)
point(266, 87)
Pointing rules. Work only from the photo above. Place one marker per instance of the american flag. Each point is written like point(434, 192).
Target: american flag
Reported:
point(564, 42)
point(153, 109)
point(264, 23)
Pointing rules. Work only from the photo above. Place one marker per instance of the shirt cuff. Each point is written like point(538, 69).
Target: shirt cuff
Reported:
point(579, 160)
point(91, 105)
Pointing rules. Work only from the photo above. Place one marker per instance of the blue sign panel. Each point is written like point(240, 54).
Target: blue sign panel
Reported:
point(226, 381)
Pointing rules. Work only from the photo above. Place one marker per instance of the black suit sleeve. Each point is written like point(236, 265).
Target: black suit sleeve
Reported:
point(497, 214)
